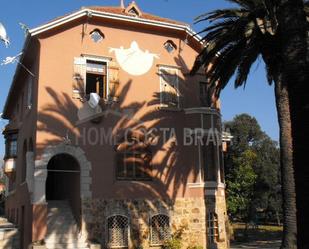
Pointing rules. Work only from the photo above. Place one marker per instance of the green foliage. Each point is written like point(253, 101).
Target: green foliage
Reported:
point(195, 247)
point(175, 242)
point(240, 181)
point(252, 172)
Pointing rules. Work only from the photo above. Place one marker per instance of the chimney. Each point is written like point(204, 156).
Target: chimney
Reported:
point(122, 4)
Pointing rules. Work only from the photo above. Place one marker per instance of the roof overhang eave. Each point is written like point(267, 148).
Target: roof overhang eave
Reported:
point(17, 71)
point(89, 12)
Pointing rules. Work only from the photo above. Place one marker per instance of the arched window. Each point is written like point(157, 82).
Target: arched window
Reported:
point(117, 231)
point(170, 46)
point(212, 227)
point(159, 229)
point(97, 36)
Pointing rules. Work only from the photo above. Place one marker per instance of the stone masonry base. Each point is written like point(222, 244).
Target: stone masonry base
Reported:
point(186, 213)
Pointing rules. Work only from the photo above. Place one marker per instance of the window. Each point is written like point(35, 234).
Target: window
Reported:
point(169, 87)
point(11, 145)
point(160, 229)
point(221, 162)
point(205, 97)
point(96, 78)
point(97, 36)
point(133, 160)
point(170, 46)
point(24, 162)
point(209, 160)
point(22, 106)
point(133, 166)
point(117, 231)
point(212, 228)
point(29, 92)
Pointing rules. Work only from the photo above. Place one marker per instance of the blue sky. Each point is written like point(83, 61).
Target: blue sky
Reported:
point(257, 99)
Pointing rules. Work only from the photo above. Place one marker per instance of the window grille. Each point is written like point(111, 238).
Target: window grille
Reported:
point(212, 228)
point(160, 229)
point(118, 229)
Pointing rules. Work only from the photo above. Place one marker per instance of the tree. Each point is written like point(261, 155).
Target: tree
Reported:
point(265, 191)
point(240, 185)
point(276, 31)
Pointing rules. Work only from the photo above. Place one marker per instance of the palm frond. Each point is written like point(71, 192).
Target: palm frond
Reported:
point(249, 56)
point(234, 40)
point(226, 64)
point(217, 38)
point(220, 14)
point(248, 4)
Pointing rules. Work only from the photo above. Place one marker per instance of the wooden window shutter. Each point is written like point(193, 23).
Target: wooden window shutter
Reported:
point(113, 85)
point(79, 77)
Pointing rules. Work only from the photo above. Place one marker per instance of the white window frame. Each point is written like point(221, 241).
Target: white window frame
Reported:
point(217, 151)
point(99, 59)
point(161, 67)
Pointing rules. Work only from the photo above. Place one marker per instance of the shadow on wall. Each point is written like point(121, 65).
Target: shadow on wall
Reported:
point(160, 155)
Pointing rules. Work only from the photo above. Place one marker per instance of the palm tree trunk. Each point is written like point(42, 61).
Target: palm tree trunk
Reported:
point(293, 29)
point(289, 240)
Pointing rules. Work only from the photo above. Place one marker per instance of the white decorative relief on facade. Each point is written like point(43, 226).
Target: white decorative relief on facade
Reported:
point(134, 60)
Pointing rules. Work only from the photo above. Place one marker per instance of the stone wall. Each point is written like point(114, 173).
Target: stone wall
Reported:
point(217, 204)
point(184, 213)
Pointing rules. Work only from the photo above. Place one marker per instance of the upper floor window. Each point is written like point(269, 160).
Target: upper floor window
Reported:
point(96, 78)
point(29, 92)
point(204, 94)
point(97, 36)
point(133, 160)
point(24, 162)
point(170, 46)
point(160, 229)
point(11, 145)
point(169, 85)
point(212, 228)
point(117, 231)
point(209, 161)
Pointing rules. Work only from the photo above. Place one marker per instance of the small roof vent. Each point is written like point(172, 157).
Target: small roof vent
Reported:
point(133, 9)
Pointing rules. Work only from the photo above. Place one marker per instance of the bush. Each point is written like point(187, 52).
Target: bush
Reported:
point(195, 247)
point(173, 243)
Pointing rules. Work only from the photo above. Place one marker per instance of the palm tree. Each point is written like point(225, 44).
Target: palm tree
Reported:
point(276, 31)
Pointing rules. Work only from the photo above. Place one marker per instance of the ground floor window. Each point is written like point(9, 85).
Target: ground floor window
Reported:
point(212, 227)
point(160, 229)
point(118, 231)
